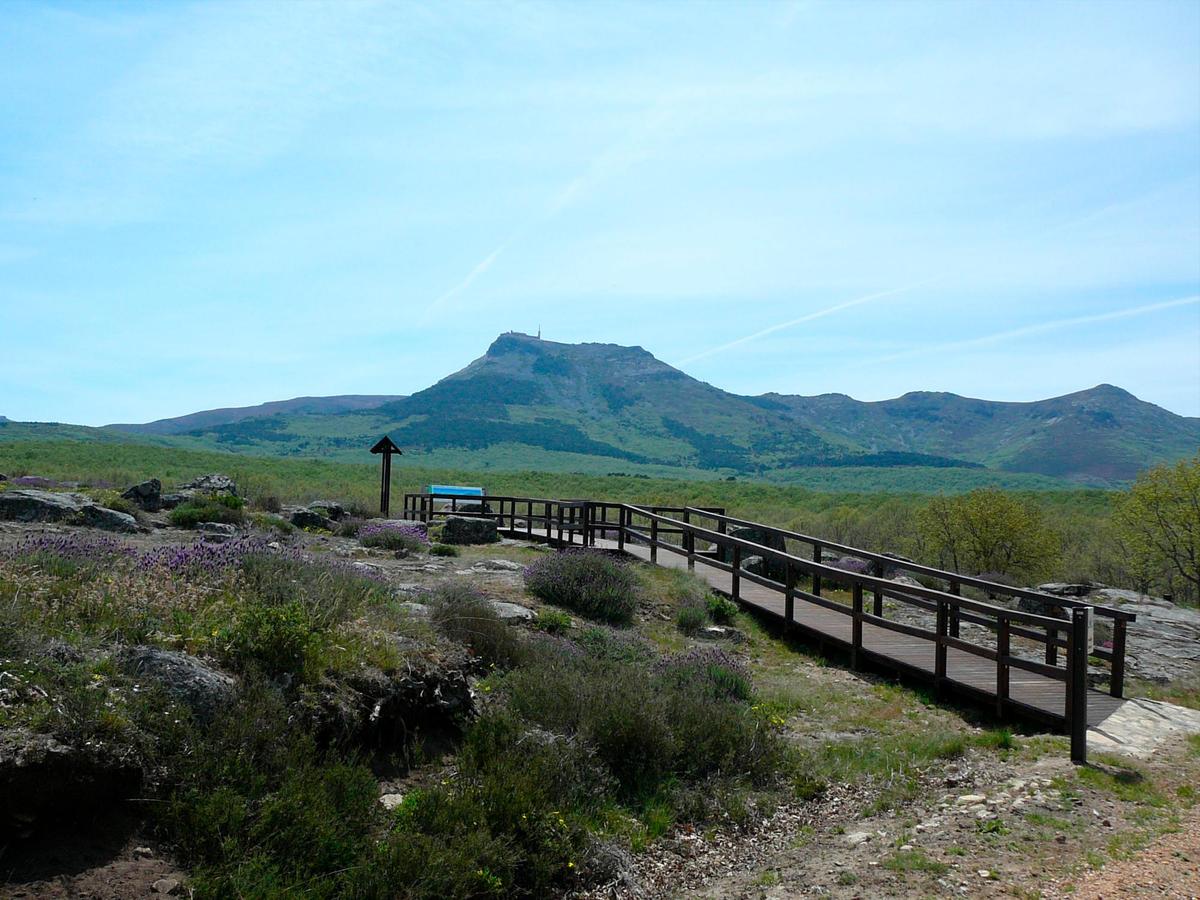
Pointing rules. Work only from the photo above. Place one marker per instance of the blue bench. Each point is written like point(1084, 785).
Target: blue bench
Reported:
point(455, 490)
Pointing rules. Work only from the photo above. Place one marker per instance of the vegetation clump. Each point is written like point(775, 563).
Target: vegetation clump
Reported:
point(392, 536)
point(223, 508)
point(591, 583)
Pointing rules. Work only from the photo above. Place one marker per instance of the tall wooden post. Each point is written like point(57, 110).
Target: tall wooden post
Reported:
point(1077, 711)
point(386, 447)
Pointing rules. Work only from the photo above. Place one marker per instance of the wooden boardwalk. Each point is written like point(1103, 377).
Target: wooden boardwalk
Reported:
point(1014, 652)
point(966, 673)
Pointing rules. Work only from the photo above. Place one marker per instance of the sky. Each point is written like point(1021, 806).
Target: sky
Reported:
point(224, 203)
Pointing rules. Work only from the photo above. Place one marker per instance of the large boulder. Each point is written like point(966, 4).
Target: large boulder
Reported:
point(43, 779)
point(210, 485)
point(70, 509)
point(308, 518)
point(330, 509)
point(147, 495)
point(767, 568)
point(462, 530)
point(198, 686)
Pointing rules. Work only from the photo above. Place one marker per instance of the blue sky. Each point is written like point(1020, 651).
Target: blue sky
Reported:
point(224, 203)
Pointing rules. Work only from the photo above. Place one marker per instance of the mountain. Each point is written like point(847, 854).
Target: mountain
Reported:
point(310, 406)
point(534, 404)
point(1103, 434)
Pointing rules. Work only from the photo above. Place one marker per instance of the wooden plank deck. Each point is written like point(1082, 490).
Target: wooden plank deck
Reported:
point(971, 676)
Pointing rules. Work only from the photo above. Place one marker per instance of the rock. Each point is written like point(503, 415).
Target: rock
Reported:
point(306, 518)
point(143, 853)
point(906, 580)
point(167, 886)
point(420, 610)
point(722, 633)
point(147, 495)
point(970, 799)
point(170, 501)
point(511, 612)
point(40, 506)
point(42, 779)
point(755, 565)
point(218, 529)
point(201, 688)
point(407, 589)
point(1061, 589)
point(774, 571)
point(3, 477)
point(71, 509)
point(855, 838)
point(461, 530)
point(329, 509)
point(391, 801)
point(210, 484)
point(108, 519)
point(499, 565)
point(471, 506)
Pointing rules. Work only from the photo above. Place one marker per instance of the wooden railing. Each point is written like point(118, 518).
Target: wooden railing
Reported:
point(677, 530)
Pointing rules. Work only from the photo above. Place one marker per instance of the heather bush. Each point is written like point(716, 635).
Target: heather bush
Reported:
point(708, 669)
point(720, 609)
point(604, 643)
point(552, 621)
point(462, 614)
point(443, 550)
point(691, 617)
point(217, 508)
point(390, 536)
point(591, 583)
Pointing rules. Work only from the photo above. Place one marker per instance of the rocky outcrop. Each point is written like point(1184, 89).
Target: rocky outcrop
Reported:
point(330, 509)
point(43, 779)
point(213, 484)
point(147, 495)
point(773, 570)
point(198, 686)
point(462, 530)
point(390, 710)
point(309, 518)
point(68, 509)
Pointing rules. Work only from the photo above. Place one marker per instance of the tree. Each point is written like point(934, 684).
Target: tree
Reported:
point(1158, 520)
point(989, 532)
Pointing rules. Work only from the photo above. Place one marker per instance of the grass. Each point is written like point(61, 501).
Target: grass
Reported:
point(915, 860)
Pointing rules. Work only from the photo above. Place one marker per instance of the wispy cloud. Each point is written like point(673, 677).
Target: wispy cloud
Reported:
point(1028, 330)
point(808, 317)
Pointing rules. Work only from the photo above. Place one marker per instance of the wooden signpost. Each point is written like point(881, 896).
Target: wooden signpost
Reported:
point(387, 447)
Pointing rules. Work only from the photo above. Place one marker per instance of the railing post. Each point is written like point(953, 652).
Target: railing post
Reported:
point(529, 518)
point(956, 590)
point(1003, 649)
point(856, 643)
point(735, 582)
point(549, 523)
point(1116, 680)
point(939, 652)
point(789, 602)
point(877, 571)
point(653, 540)
point(1077, 711)
point(622, 522)
point(559, 522)
point(1051, 645)
point(816, 579)
point(689, 541)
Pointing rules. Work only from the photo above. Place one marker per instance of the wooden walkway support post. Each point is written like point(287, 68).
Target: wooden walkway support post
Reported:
point(1077, 709)
point(856, 634)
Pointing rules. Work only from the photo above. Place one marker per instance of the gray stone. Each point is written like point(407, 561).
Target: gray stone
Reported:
point(775, 571)
point(461, 530)
point(42, 779)
point(216, 532)
point(391, 801)
point(71, 509)
point(1062, 589)
point(213, 483)
point(147, 495)
point(855, 838)
point(172, 500)
point(511, 612)
point(499, 565)
point(31, 505)
point(330, 509)
point(167, 886)
point(198, 686)
point(722, 633)
point(108, 519)
point(306, 518)
point(419, 610)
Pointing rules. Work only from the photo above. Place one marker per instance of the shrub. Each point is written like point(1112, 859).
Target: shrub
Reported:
point(443, 550)
point(591, 583)
point(462, 614)
point(603, 643)
point(270, 503)
point(690, 618)
point(390, 536)
point(552, 621)
point(708, 669)
point(720, 609)
point(279, 640)
point(216, 508)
